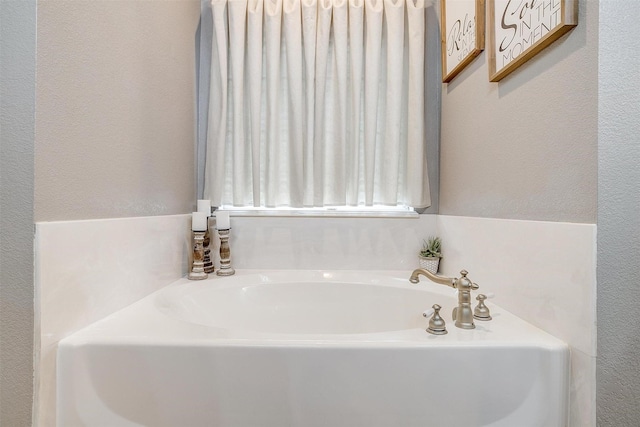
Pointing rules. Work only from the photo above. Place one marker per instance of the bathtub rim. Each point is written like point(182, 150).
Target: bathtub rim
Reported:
point(142, 323)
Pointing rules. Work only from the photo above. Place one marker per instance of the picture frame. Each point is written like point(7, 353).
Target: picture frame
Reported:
point(462, 33)
point(519, 30)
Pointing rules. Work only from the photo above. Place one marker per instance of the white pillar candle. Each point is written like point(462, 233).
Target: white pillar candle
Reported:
point(222, 220)
point(199, 221)
point(204, 206)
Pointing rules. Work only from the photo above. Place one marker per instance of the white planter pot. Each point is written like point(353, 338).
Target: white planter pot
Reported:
point(429, 263)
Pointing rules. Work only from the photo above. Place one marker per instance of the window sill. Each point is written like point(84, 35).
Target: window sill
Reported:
point(338, 212)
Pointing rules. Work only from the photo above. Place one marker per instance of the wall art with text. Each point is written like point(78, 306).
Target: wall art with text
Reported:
point(462, 33)
point(520, 29)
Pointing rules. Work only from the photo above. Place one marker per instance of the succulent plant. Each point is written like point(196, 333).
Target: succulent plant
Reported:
point(432, 248)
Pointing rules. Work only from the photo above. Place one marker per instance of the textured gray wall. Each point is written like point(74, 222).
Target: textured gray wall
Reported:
point(17, 123)
point(526, 147)
point(618, 363)
point(115, 131)
point(114, 137)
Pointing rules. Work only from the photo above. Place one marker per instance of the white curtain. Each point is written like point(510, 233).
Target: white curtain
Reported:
point(317, 103)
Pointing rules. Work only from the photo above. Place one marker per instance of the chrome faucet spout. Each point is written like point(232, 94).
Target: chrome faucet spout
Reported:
point(462, 314)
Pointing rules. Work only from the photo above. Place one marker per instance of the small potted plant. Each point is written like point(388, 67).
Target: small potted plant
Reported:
point(430, 254)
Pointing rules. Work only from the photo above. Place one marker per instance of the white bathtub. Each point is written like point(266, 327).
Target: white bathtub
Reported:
point(308, 348)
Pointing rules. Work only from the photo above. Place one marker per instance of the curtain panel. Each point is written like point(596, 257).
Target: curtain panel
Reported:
point(316, 103)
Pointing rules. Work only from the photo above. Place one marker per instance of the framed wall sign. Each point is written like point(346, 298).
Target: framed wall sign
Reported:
point(520, 29)
point(462, 34)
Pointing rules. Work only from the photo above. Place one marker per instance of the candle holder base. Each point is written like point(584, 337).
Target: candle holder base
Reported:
point(197, 275)
point(225, 272)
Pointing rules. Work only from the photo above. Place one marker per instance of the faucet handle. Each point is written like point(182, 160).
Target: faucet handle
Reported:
point(464, 282)
point(436, 323)
point(481, 312)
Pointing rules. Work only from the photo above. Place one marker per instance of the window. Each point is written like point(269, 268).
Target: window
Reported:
point(316, 104)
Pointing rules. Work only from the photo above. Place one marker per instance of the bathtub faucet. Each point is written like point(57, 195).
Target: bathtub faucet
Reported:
point(463, 313)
